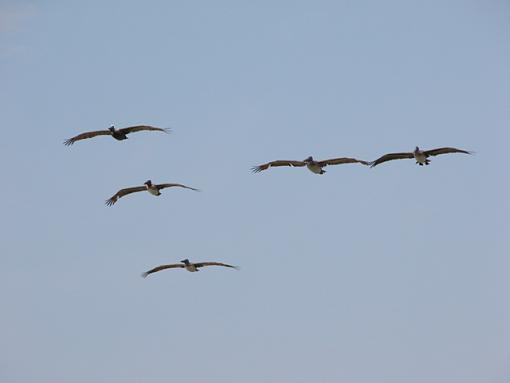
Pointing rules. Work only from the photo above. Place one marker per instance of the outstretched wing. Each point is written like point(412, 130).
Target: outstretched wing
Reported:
point(438, 151)
point(271, 164)
point(86, 135)
point(202, 264)
point(163, 186)
point(162, 267)
point(123, 192)
point(139, 128)
point(391, 157)
point(343, 160)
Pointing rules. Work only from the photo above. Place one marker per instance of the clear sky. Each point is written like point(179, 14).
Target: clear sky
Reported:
point(394, 274)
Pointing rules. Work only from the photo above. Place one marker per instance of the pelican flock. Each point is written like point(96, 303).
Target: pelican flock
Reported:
point(315, 166)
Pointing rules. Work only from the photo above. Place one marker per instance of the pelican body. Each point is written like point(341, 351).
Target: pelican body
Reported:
point(314, 166)
point(117, 134)
point(191, 267)
point(151, 188)
point(420, 157)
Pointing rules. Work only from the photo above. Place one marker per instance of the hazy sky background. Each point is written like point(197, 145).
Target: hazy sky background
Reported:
point(394, 274)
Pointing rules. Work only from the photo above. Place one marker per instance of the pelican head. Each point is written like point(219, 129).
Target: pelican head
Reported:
point(111, 129)
point(308, 160)
point(416, 150)
point(148, 183)
point(185, 261)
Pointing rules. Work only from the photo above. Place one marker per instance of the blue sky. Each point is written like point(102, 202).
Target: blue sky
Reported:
point(392, 274)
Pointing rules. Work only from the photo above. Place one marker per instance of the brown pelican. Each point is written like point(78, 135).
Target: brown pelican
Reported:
point(186, 264)
point(310, 163)
point(148, 185)
point(421, 156)
point(119, 135)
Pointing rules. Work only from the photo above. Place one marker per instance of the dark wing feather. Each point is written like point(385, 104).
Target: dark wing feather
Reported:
point(202, 264)
point(123, 192)
point(162, 267)
point(343, 160)
point(435, 152)
point(139, 128)
point(259, 168)
point(390, 157)
point(163, 186)
point(86, 135)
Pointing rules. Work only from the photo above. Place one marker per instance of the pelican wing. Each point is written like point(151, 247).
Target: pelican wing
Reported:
point(343, 160)
point(163, 267)
point(86, 135)
point(259, 168)
point(123, 192)
point(438, 151)
point(390, 157)
point(163, 186)
point(139, 128)
point(202, 264)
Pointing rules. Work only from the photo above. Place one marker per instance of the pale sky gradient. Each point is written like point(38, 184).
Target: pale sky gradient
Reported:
point(395, 274)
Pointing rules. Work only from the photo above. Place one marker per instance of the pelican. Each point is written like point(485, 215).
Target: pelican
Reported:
point(312, 165)
point(149, 186)
point(186, 264)
point(119, 135)
point(421, 156)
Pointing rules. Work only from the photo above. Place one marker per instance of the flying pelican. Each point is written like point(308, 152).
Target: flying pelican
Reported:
point(186, 264)
point(148, 185)
point(310, 163)
point(119, 135)
point(421, 156)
